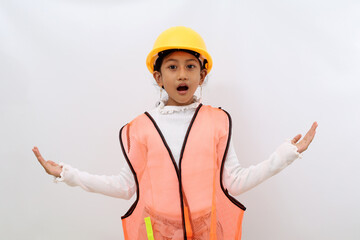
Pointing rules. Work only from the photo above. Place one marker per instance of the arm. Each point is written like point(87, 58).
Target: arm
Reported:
point(120, 186)
point(238, 179)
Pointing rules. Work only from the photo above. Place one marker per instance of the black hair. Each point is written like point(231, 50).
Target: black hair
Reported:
point(163, 54)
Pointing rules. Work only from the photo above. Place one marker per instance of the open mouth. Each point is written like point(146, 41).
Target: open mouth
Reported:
point(182, 88)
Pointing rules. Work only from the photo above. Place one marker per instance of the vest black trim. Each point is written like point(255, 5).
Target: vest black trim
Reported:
point(231, 198)
point(178, 170)
point(131, 209)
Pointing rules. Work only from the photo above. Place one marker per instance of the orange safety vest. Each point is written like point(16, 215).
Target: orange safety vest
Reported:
point(185, 202)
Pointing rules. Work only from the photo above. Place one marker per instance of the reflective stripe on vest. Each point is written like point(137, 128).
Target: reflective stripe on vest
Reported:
point(185, 202)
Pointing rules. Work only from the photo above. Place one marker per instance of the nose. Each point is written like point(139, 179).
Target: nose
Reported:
point(182, 73)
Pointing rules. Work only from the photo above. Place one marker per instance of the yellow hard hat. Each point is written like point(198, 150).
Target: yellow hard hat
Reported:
point(179, 38)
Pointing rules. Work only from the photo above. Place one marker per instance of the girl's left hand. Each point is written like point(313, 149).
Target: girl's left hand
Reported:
point(305, 142)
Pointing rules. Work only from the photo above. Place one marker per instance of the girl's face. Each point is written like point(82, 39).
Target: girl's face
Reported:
point(180, 74)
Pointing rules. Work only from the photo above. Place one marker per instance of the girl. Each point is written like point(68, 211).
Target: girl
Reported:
point(181, 160)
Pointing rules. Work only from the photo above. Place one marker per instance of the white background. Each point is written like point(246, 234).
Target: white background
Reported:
point(73, 72)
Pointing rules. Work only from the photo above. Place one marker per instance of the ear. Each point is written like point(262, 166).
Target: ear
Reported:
point(158, 78)
point(203, 74)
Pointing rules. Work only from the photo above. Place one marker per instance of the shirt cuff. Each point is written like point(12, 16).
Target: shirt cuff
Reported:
point(294, 148)
point(62, 174)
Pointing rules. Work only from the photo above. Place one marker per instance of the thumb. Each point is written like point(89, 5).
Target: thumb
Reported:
point(296, 138)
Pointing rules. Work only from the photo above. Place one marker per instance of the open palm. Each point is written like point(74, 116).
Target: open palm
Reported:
point(305, 142)
point(50, 167)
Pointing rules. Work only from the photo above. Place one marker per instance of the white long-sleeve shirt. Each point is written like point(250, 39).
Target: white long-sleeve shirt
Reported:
point(173, 122)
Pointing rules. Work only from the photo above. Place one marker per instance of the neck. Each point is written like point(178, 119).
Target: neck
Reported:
point(173, 103)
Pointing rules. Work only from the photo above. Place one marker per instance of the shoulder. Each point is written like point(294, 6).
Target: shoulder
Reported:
point(217, 112)
point(139, 120)
point(135, 123)
point(136, 130)
point(217, 118)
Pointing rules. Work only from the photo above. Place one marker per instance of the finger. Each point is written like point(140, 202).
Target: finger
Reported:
point(38, 156)
point(305, 142)
point(312, 130)
point(311, 133)
point(296, 138)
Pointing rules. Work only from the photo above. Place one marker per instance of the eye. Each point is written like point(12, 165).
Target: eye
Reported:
point(172, 67)
point(191, 66)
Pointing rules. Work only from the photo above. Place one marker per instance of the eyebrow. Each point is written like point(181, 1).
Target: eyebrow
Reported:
point(187, 60)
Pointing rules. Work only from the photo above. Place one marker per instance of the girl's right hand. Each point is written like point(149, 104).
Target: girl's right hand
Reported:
point(50, 167)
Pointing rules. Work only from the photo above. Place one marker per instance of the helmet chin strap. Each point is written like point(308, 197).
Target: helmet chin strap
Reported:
point(205, 63)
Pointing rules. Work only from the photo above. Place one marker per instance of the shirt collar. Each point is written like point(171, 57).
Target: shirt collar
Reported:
point(163, 109)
